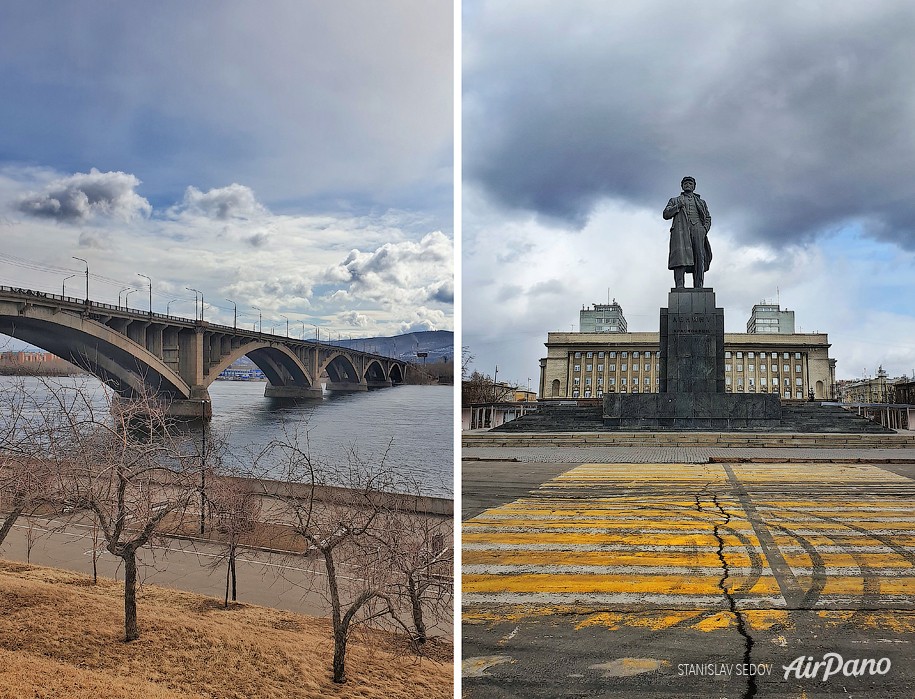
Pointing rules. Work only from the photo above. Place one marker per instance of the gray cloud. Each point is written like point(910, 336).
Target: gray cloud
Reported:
point(82, 196)
point(794, 120)
point(235, 201)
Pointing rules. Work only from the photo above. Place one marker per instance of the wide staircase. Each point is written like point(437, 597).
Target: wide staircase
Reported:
point(802, 418)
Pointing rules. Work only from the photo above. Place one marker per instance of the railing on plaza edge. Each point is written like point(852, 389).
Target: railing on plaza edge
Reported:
point(86, 303)
point(895, 416)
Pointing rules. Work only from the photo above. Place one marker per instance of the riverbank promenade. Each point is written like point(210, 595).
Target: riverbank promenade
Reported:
point(695, 564)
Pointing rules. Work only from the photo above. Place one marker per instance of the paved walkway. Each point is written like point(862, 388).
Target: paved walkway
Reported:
point(634, 579)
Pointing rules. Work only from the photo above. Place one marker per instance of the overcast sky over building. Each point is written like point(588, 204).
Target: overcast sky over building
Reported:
point(796, 119)
point(290, 156)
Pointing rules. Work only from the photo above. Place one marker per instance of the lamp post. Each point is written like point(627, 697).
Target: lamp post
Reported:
point(287, 324)
point(303, 328)
point(169, 305)
point(126, 288)
point(196, 292)
point(150, 290)
point(234, 314)
point(126, 297)
point(317, 333)
point(87, 274)
point(260, 319)
point(63, 286)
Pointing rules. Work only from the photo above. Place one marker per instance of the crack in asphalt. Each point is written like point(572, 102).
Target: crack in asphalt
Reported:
point(742, 627)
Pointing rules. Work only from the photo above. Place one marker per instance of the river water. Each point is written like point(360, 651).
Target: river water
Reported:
point(413, 424)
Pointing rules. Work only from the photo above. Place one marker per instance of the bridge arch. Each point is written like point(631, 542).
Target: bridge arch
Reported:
point(396, 374)
point(128, 367)
point(280, 364)
point(340, 369)
point(375, 372)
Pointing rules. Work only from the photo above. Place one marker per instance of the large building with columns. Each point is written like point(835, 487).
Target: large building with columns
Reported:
point(589, 364)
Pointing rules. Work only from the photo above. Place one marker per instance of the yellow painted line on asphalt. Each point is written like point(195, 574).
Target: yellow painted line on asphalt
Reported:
point(634, 540)
point(877, 561)
point(850, 585)
point(585, 584)
point(604, 558)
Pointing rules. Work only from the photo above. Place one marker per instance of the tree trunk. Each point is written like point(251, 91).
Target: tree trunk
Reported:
point(234, 581)
point(339, 655)
point(417, 606)
point(131, 631)
point(9, 522)
point(339, 629)
point(225, 603)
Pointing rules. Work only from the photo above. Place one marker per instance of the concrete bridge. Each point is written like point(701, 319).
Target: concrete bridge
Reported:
point(176, 359)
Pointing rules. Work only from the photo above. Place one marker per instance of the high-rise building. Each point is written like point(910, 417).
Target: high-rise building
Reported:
point(602, 318)
point(770, 318)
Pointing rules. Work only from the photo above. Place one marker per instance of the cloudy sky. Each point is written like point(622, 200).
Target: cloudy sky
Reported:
point(295, 157)
point(796, 119)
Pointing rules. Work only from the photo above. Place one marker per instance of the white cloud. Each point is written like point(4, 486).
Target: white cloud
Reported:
point(83, 196)
point(222, 204)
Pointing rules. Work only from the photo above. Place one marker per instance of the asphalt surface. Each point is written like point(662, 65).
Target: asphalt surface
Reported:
point(698, 580)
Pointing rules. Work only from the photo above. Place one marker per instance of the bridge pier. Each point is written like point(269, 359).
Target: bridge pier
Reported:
point(346, 387)
point(309, 392)
point(198, 406)
point(379, 384)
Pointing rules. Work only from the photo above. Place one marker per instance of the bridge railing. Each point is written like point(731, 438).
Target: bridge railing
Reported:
point(86, 303)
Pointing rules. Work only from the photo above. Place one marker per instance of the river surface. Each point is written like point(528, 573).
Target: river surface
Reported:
point(413, 424)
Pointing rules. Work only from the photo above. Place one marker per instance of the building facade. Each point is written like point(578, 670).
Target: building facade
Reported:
point(602, 318)
point(770, 318)
point(588, 365)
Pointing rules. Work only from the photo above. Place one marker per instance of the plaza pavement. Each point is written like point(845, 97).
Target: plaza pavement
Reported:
point(676, 571)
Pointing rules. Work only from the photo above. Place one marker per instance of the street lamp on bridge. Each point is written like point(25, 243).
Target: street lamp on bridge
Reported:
point(197, 291)
point(126, 288)
point(260, 319)
point(87, 274)
point(150, 290)
point(303, 328)
point(234, 313)
point(169, 305)
point(287, 324)
point(126, 297)
point(63, 286)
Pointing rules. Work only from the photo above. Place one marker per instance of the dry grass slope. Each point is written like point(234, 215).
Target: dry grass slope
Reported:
point(60, 636)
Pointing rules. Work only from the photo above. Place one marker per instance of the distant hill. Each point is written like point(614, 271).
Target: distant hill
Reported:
point(439, 344)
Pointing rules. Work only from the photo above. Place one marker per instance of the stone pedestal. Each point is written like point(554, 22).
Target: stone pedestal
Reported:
point(293, 392)
point(692, 391)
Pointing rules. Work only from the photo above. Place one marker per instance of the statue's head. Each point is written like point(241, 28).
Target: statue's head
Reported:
point(688, 183)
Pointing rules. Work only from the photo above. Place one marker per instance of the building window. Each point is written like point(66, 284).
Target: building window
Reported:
point(727, 367)
point(613, 355)
point(624, 354)
point(600, 368)
point(600, 394)
point(622, 367)
point(749, 355)
point(799, 381)
point(612, 367)
point(575, 393)
point(787, 394)
point(797, 368)
point(587, 381)
point(589, 367)
point(635, 355)
point(739, 382)
point(727, 355)
point(786, 368)
point(785, 356)
point(623, 381)
point(788, 383)
point(576, 381)
point(762, 367)
point(727, 380)
point(797, 355)
point(740, 355)
point(578, 355)
point(647, 381)
point(762, 382)
point(658, 366)
point(775, 368)
point(750, 382)
point(751, 367)
point(587, 393)
point(600, 355)
point(648, 367)
point(740, 367)
point(577, 367)
point(590, 354)
point(611, 381)
point(775, 355)
point(600, 380)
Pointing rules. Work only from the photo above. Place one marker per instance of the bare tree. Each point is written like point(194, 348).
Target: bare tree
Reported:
point(421, 552)
point(341, 523)
point(128, 470)
point(235, 508)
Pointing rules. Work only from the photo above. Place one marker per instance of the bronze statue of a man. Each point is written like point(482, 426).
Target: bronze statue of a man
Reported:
point(689, 247)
